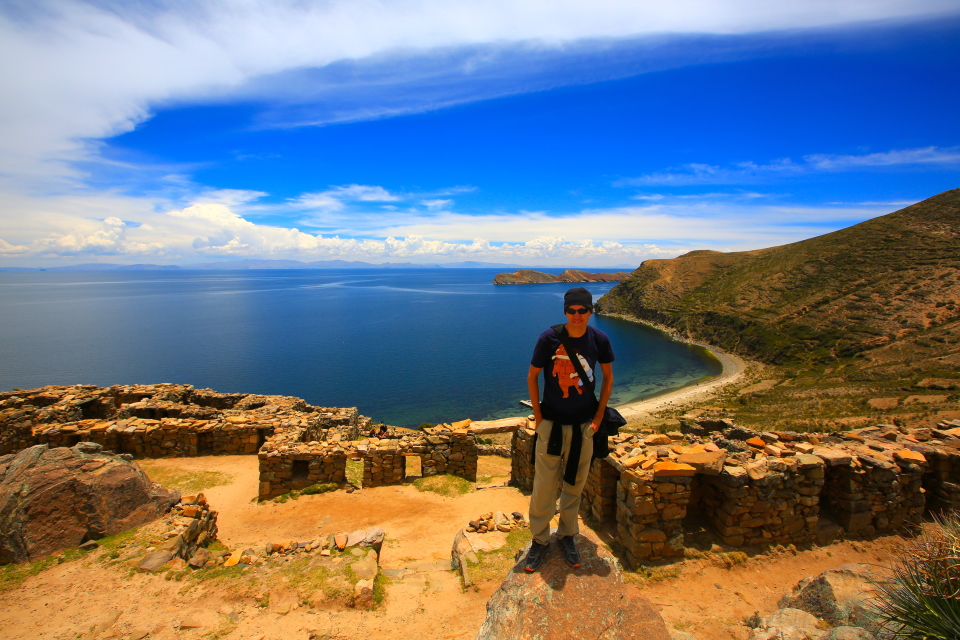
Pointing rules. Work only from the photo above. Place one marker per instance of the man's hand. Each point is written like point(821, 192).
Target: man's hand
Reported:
point(595, 423)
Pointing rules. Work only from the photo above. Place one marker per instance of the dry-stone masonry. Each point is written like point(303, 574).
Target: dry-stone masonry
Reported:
point(193, 526)
point(599, 499)
point(298, 445)
point(762, 488)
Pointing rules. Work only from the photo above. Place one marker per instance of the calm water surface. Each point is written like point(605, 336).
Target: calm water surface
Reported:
point(405, 346)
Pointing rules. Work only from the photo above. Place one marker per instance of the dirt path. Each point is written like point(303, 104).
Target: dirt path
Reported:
point(90, 598)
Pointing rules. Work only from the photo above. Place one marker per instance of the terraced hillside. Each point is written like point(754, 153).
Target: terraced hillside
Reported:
point(891, 280)
point(876, 304)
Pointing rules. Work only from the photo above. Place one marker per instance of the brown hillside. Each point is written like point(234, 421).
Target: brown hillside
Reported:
point(890, 284)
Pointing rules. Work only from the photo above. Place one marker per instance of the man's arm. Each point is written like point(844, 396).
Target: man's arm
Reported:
point(533, 386)
point(605, 390)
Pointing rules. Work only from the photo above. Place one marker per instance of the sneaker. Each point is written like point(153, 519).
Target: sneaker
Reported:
point(570, 553)
point(535, 557)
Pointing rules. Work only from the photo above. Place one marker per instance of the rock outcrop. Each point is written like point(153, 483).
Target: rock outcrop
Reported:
point(841, 596)
point(560, 603)
point(51, 499)
point(529, 276)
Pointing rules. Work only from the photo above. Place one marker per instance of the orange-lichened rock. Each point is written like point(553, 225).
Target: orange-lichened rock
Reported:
point(907, 455)
point(666, 469)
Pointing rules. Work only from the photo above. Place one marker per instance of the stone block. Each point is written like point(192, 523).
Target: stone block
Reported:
point(706, 462)
point(669, 469)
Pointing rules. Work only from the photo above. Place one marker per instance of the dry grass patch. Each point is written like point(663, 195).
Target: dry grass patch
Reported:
point(184, 481)
point(445, 485)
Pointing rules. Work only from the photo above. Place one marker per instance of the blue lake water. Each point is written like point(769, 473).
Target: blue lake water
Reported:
point(405, 346)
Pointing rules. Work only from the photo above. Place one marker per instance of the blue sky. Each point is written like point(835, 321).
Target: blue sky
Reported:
point(562, 133)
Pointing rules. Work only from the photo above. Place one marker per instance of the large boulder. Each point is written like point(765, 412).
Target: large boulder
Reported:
point(842, 596)
point(561, 603)
point(52, 499)
point(788, 624)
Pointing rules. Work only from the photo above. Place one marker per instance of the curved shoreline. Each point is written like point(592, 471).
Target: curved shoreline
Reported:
point(732, 370)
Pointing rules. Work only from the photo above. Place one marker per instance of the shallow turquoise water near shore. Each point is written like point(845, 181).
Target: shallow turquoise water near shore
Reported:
point(405, 346)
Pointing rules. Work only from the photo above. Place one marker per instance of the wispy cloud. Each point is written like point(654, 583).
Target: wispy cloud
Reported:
point(337, 198)
point(751, 172)
point(947, 156)
point(88, 70)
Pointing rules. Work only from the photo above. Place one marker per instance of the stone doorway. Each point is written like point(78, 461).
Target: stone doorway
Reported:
point(414, 467)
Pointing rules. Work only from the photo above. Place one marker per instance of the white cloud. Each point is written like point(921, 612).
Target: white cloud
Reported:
point(900, 157)
point(77, 72)
point(437, 203)
point(209, 228)
point(230, 196)
point(751, 172)
point(337, 198)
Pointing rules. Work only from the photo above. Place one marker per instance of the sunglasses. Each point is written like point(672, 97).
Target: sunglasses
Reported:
point(571, 311)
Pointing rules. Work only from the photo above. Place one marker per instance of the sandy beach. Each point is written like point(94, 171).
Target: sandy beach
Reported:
point(733, 369)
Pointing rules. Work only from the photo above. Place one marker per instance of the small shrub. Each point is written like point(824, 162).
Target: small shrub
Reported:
point(730, 559)
point(920, 600)
point(320, 488)
point(307, 491)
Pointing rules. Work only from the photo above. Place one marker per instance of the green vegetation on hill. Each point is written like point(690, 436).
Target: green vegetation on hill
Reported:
point(893, 279)
point(847, 318)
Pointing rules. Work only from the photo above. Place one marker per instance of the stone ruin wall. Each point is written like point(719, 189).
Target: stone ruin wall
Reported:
point(755, 489)
point(749, 488)
point(297, 444)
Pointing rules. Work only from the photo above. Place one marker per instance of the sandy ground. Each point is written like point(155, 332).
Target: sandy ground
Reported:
point(85, 598)
point(733, 368)
point(711, 602)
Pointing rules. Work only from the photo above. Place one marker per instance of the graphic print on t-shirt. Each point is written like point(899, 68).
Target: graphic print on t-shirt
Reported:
point(565, 372)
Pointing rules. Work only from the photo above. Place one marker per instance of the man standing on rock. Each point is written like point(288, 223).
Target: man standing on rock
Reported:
point(566, 420)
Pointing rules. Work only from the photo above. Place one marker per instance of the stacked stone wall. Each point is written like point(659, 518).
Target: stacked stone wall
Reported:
point(195, 527)
point(650, 512)
point(868, 495)
point(776, 501)
point(285, 471)
point(163, 420)
point(449, 453)
point(941, 478)
point(761, 489)
point(384, 466)
point(599, 499)
point(169, 437)
point(441, 451)
point(521, 469)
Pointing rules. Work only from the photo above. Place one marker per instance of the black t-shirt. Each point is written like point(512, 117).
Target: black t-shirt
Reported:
point(564, 396)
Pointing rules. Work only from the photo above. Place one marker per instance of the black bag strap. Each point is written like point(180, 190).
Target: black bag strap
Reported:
point(561, 332)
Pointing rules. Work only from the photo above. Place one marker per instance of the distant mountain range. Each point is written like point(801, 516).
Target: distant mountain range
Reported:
point(887, 290)
point(246, 264)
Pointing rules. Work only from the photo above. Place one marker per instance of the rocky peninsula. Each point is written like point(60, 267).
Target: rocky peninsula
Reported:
point(529, 276)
